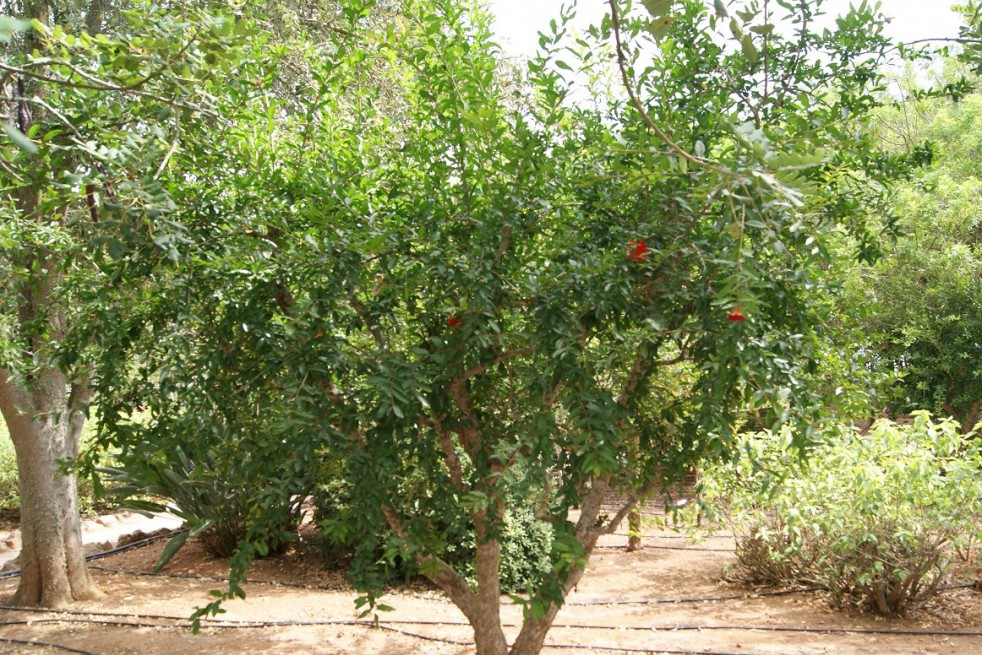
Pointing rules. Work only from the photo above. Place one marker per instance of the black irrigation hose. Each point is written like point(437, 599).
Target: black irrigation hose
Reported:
point(112, 551)
point(647, 651)
point(443, 640)
point(225, 624)
point(443, 599)
point(643, 601)
point(45, 644)
point(135, 544)
point(648, 546)
point(697, 599)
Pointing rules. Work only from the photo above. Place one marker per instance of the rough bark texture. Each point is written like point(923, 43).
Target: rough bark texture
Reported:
point(44, 430)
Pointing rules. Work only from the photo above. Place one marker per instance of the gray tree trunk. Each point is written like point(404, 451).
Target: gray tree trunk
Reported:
point(44, 430)
point(43, 417)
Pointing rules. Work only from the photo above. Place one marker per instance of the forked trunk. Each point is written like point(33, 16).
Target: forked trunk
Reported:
point(588, 530)
point(44, 430)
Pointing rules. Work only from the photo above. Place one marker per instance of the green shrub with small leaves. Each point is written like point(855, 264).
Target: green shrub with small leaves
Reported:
point(876, 517)
point(526, 541)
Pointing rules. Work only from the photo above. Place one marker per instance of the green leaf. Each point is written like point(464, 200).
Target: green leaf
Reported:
point(749, 49)
point(9, 25)
point(658, 28)
point(171, 549)
point(657, 8)
point(20, 139)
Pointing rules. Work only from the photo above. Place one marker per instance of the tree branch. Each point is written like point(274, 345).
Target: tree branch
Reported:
point(639, 106)
point(367, 319)
point(438, 571)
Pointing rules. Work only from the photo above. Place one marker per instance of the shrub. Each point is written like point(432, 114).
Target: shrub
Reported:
point(525, 541)
point(216, 501)
point(876, 517)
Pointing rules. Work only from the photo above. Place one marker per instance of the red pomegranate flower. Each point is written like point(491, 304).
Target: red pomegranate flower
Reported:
point(637, 250)
point(454, 321)
point(736, 316)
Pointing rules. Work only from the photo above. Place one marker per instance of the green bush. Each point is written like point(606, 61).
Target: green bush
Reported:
point(525, 541)
point(877, 518)
point(217, 502)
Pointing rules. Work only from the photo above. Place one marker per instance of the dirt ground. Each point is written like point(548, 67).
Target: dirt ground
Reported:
point(668, 598)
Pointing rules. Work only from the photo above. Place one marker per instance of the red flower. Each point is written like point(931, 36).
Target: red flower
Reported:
point(454, 322)
point(736, 316)
point(637, 250)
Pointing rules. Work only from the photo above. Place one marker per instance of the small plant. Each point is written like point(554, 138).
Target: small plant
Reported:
point(215, 505)
point(877, 518)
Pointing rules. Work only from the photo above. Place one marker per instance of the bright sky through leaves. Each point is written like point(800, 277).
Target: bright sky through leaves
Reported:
point(519, 21)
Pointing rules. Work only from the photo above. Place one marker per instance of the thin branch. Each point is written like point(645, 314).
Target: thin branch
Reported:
point(474, 371)
point(628, 506)
point(952, 39)
point(470, 436)
point(163, 164)
point(99, 85)
point(438, 571)
point(639, 106)
point(449, 454)
point(505, 244)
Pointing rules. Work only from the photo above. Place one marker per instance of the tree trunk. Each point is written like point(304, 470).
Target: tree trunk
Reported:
point(482, 609)
point(634, 530)
point(486, 617)
point(533, 635)
point(45, 430)
point(43, 418)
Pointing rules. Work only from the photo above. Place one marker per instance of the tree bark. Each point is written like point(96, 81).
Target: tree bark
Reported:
point(634, 530)
point(43, 416)
point(486, 619)
point(44, 430)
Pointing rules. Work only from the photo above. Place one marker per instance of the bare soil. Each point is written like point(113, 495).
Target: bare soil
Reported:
point(668, 598)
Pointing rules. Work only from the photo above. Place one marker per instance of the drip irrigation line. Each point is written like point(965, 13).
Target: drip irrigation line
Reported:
point(634, 649)
point(444, 640)
point(213, 578)
point(112, 551)
point(907, 632)
point(69, 612)
point(648, 546)
point(697, 599)
point(45, 644)
point(220, 624)
point(445, 600)
point(135, 544)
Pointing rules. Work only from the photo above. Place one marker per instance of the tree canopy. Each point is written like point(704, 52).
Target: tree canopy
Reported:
point(357, 241)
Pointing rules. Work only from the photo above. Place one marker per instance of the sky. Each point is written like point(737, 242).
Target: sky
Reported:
point(519, 21)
